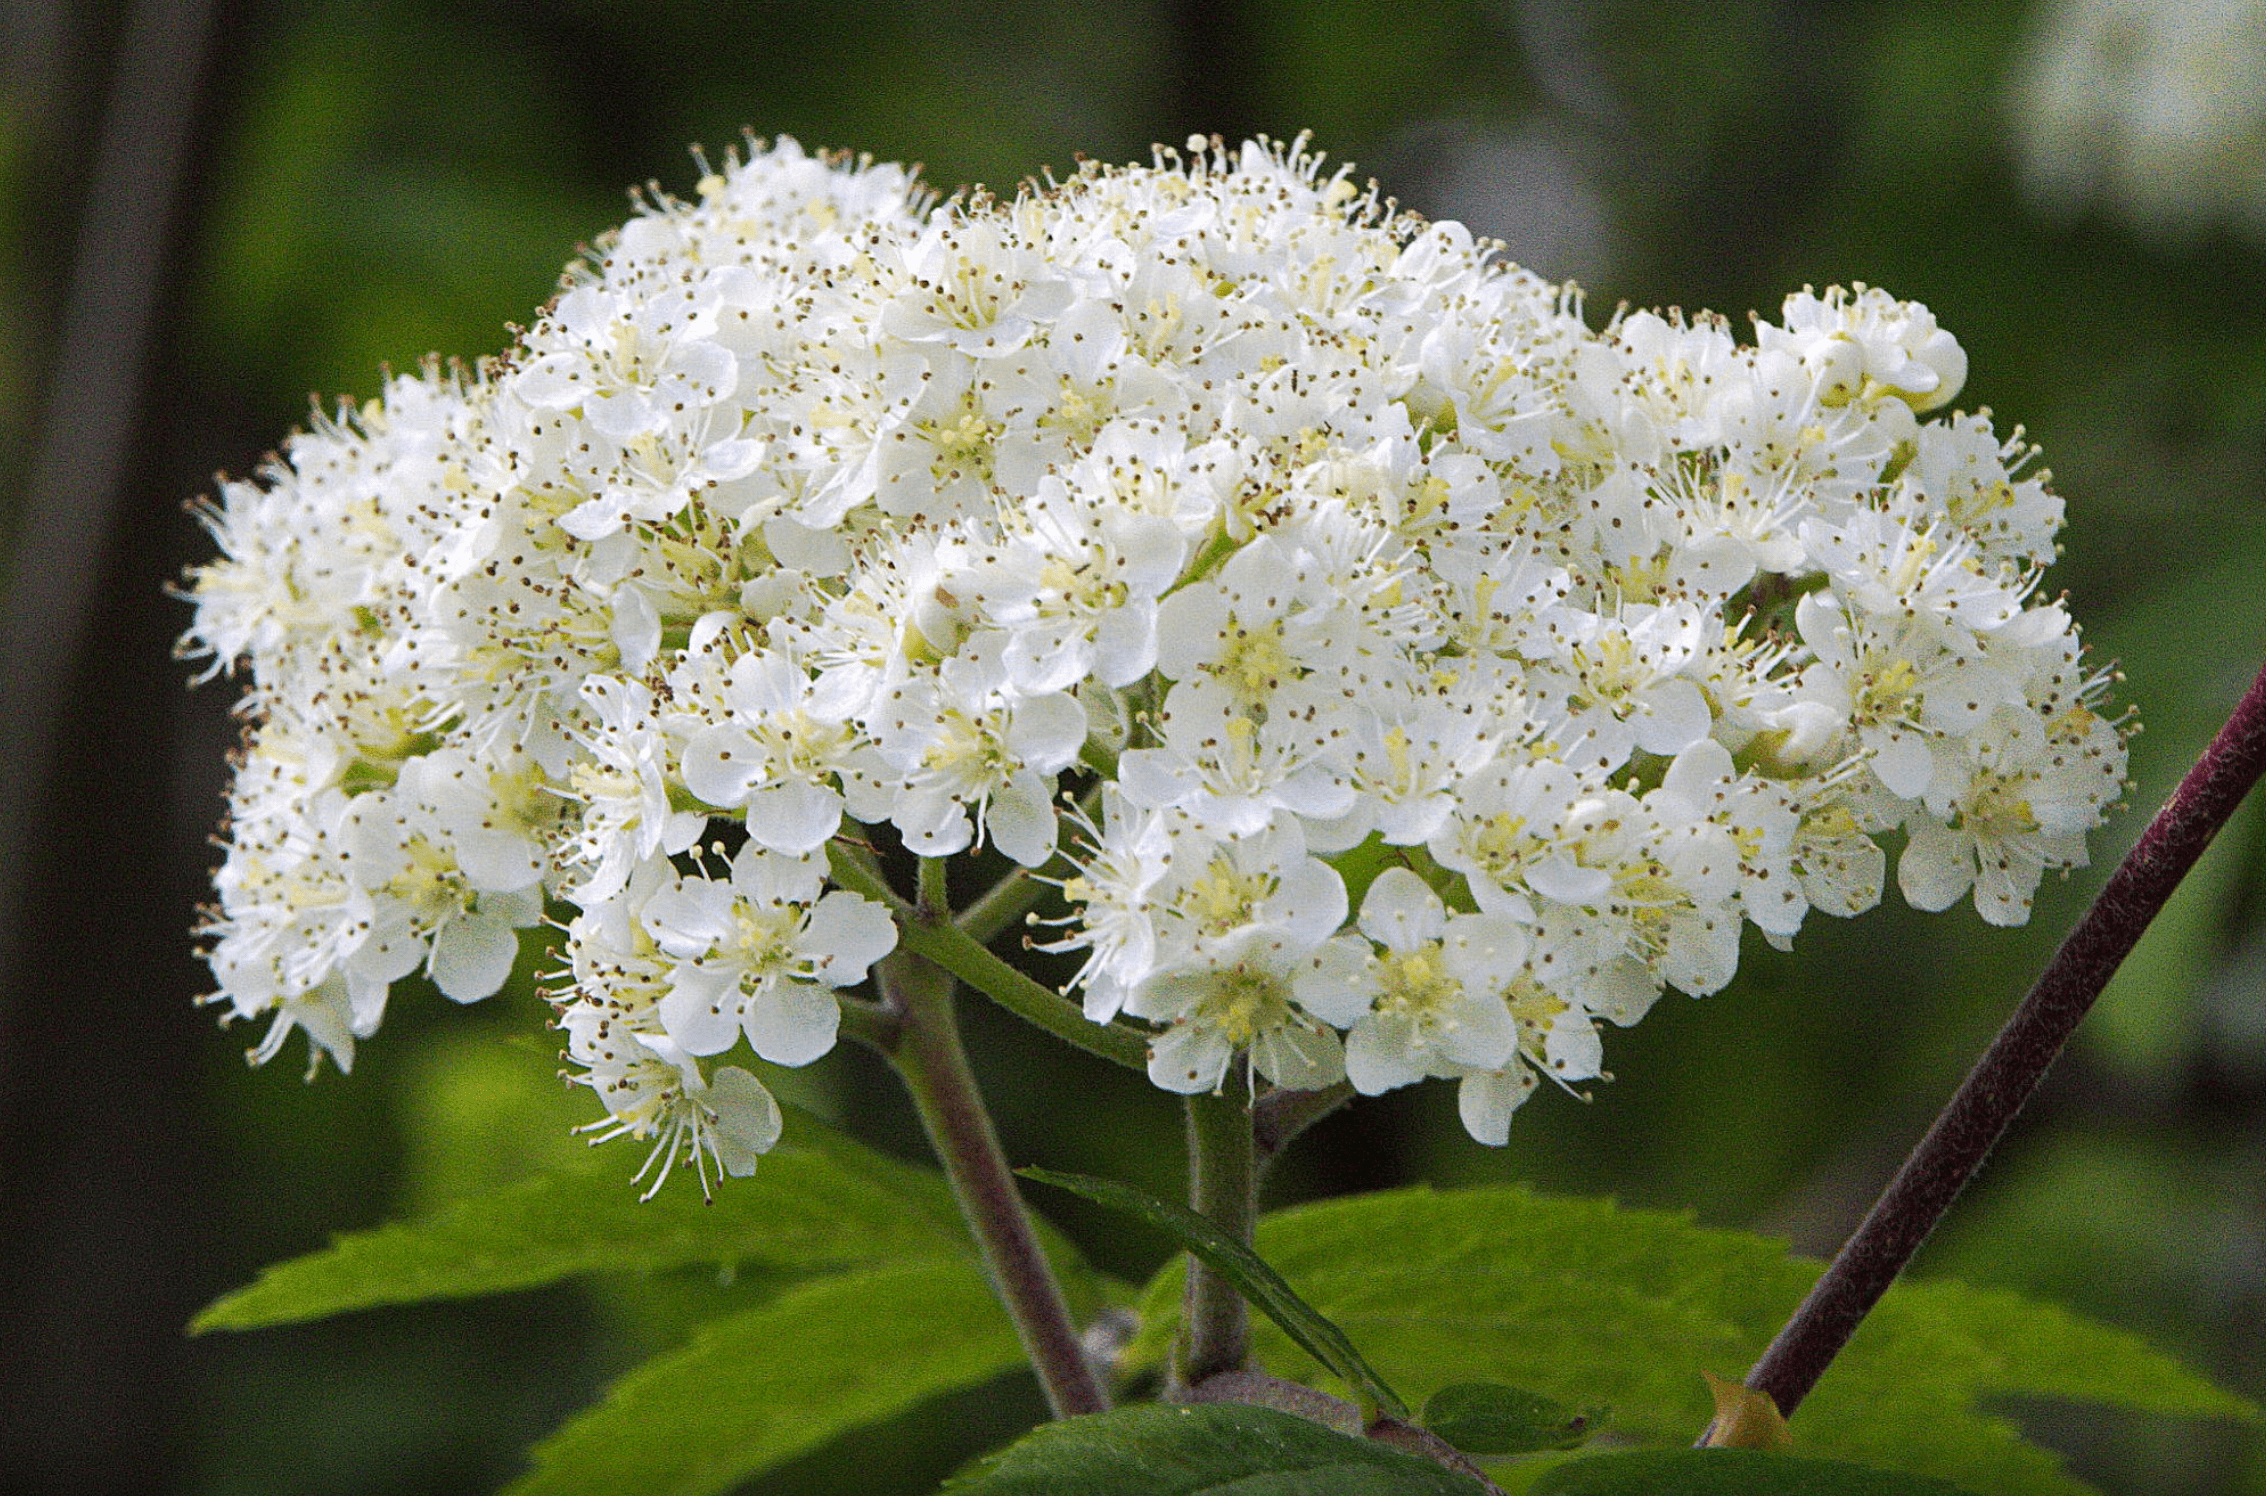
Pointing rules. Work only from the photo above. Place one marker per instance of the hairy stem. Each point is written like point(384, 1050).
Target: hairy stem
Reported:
point(1995, 1090)
point(1223, 1187)
point(933, 900)
point(1010, 899)
point(934, 1064)
point(934, 937)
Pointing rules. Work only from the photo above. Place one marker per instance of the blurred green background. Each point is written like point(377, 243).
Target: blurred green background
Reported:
point(2076, 189)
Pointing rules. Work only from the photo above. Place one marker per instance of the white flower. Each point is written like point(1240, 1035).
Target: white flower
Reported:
point(1077, 593)
point(762, 955)
point(779, 751)
point(627, 815)
point(1232, 775)
point(1259, 991)
point(967, 748)
point(1435, 989)
point(1863, 341)
point(2029, 792)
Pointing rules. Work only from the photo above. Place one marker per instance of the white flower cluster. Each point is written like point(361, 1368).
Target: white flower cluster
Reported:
point(1308, 540)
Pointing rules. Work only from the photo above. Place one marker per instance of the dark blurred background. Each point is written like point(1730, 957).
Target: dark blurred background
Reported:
point(210, 208)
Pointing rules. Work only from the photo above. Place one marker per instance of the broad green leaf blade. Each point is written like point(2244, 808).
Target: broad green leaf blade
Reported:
point(1212, 1450)
point(1260, 1284)
point(1946, 1344)
point(1727, 1472)
point(759, 1388)
point(818, 1203)
point(1584, 1302)
point(1489, 1418)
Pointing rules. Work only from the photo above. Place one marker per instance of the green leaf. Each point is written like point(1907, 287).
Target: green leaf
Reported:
point(819, 1203)
point(759, 1388)
point(1585, 1302)
point(1727, 1472)
point(1150, 1450)
point(1488, 1418)
point(1260, 1284)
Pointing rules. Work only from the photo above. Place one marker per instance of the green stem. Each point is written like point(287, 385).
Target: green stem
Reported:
point(1223, 1187)
point(937, 939)
point(1020, 891)
point(934, 900)
point(934, 1064)
point(875, 1025)
point(1010, 899)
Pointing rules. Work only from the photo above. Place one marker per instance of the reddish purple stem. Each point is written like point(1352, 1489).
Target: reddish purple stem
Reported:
point(1995, 1090)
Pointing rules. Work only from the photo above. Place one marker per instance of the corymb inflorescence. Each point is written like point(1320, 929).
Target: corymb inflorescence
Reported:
point(1437, 677)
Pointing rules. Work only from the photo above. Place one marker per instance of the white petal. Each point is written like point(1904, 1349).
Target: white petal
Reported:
point(1937, 866)
point(393, 948)
point(1401, 912)
point(1567, 881)
point(933, 823)
point(498, 861)
point(1021, 820)
point(748, 1122)
point(1671, 717)
point(1125, 643)
point(1903, 762)
point(1050, 655)
point(1575, 1049)
point(792, 1023)
point(1191, 627)
point(472, 956)
point(637, 627)
point(1299, 1058)
point(1486, 1101)
point(1703, 950)
point(702, 1011)
point(1309, 901)
point(1333, 983)
point(1046, 732)
point(687, 919)
point(1152, 778)
point(845, 934)
point(763, 876)
point(720, 764)
point(1483, 1033)
point(793, 816)
point(1484, 951)
point(1377, 1057)
point(1189, 1058)
point(1623, 992)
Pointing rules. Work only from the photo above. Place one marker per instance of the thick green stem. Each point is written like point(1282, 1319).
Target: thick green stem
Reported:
point(934, 1063)
point(933, 936)
point(1223, 1187)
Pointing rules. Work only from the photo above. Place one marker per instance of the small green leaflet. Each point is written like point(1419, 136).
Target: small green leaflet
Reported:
point(1727, 1472)
point(1260, 1284)
point(818, 1203)
point(1153, 1450)
point(1585, 1302)
point(1487, 1418)
point(756, 1389)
